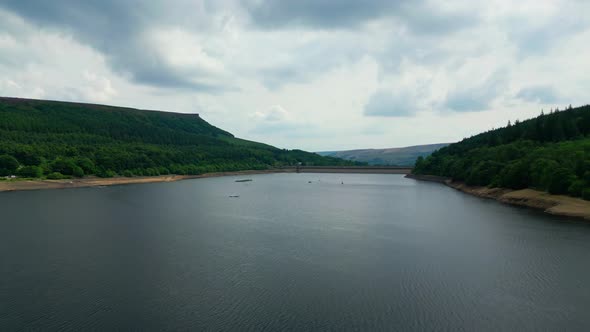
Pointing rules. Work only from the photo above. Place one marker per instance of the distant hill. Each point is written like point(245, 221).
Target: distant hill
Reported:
point(395, 156)
point(40, 138)
point(550, 152)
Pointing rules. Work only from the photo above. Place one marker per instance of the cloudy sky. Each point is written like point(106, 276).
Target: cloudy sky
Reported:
point(311, 74)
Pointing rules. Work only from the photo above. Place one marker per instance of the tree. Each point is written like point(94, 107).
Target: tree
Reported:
point(65, 166)
point(560, 181)
point(30, 172)
point(86, 164)
point(8, 165)
point(515, 176)
point(78, 172)
point(576, 188)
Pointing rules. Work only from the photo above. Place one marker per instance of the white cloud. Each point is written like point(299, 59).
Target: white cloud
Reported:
point(306, 78)
point(275, 113)
point(97, 88)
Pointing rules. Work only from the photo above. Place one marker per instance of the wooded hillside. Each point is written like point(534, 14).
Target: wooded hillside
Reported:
point(55, 139)
point(550, 152)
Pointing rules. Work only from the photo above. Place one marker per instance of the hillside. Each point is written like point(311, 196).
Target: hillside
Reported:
point(550, 153)
point(50, 138)
point(405, 156)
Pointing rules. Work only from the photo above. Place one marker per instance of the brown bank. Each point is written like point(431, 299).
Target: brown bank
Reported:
point(553, 204)
point(17, 185)
point(97, 182)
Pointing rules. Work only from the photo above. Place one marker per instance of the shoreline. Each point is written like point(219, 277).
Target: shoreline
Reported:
point(93, 181)
point(6, 186)
point(558, 205)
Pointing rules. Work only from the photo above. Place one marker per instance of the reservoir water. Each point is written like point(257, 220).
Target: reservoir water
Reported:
point(324, 252)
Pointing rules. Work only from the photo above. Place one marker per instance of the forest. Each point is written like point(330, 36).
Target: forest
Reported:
point(550, 153)
point(54, 140)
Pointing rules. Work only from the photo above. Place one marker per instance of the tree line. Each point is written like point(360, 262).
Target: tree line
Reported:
point(550, 152)
point(58, 140)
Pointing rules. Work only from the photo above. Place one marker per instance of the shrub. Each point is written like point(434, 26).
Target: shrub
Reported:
point(55, 176)
point(77, 172)
point(106, 173)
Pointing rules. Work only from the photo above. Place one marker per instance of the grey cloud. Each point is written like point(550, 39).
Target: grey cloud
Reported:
point(275, 77)
point(478, 97)
point(425, 52)
point(540, 36)
point(538, 40)
point(318, 13)
point(539, 94)
point(115, 29)
point(388, 104)
point(309, 61)
point(469, 100)
point(422, 24)
point(419, 16)
point(426, 20)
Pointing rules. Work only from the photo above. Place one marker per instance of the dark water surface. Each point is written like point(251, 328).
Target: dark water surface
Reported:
point(378, 252)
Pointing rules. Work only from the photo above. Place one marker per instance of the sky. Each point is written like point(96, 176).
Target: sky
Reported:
point(317, 75)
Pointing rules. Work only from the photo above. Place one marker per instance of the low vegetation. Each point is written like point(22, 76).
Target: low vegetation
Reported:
point(550, 152)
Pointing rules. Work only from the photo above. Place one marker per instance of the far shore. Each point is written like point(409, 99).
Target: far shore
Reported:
point(553, 204)
point(98, 182)
point(18, 185)
point(559, 205)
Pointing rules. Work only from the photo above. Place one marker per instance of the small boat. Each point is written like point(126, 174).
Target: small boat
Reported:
point(234, 196)
point(244, 180)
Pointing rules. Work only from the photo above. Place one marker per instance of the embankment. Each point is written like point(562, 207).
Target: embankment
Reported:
point(553, 204)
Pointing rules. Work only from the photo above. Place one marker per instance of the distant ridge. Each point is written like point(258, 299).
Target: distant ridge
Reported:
point(405, 156)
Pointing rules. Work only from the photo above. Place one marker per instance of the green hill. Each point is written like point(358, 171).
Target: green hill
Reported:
point(550, 152)
point(50, 138)
point(405, 156)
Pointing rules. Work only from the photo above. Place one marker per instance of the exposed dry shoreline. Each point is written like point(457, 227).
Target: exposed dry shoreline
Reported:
point(97, 182)
point(554, 204)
